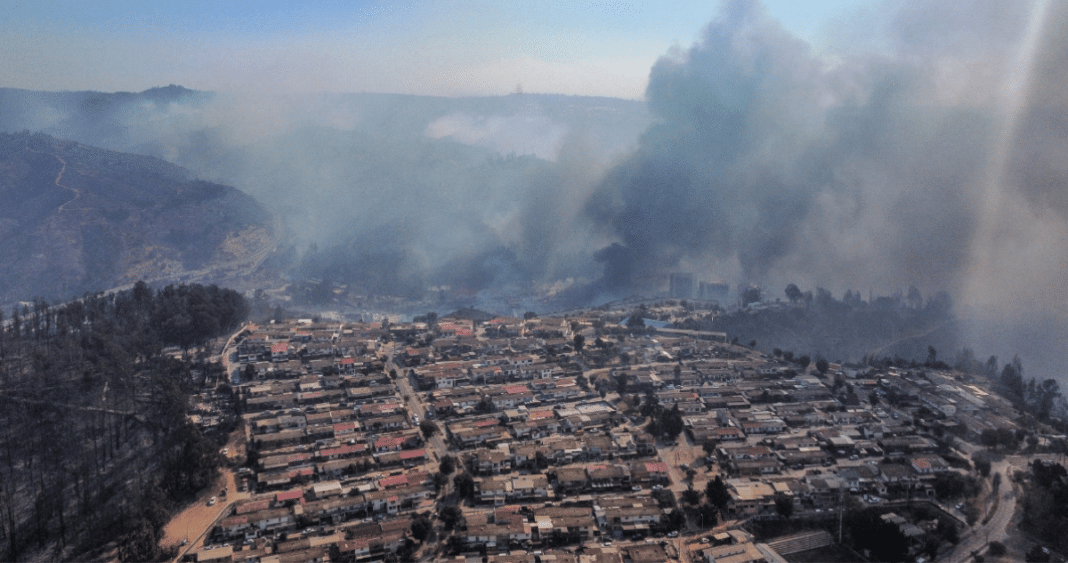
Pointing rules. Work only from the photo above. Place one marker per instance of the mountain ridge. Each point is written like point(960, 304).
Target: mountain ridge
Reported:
point(78, 218)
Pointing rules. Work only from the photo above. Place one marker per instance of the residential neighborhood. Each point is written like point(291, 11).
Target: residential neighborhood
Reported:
point(559, 439)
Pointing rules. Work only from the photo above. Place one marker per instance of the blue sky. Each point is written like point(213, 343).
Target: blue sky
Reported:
point(460, 47)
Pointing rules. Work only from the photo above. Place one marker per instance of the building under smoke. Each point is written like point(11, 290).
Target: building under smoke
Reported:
point(714, 291)
point(682, 286)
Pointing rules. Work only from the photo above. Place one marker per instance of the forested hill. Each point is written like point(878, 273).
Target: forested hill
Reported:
point(96, 448)
point(77, 218)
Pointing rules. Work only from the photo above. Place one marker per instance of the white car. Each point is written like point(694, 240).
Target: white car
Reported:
point(212, 501)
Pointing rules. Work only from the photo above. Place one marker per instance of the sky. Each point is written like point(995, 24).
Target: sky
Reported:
point(455, 48)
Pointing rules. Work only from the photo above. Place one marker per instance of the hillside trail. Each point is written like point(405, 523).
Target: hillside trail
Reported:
point(59, 178)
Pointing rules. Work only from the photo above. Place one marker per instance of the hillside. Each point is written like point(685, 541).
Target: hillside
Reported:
point(77, 218)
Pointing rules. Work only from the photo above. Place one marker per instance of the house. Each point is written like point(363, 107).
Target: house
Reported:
point(608, 476)
point(490, 462)
point(572, 479)
point(650, 472)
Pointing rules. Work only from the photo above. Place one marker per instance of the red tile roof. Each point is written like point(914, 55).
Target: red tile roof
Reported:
point(656, 467)
point(394, 481)
point(289, 495)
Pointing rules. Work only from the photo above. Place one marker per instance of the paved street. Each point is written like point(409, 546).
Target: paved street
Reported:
point(415, 403)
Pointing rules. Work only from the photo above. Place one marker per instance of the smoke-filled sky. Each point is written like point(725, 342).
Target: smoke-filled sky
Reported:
point(458, 47)
point(843, 144)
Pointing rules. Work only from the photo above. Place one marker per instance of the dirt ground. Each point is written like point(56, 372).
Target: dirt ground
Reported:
point(192, 522)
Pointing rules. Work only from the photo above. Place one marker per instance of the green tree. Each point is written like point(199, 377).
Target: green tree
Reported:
point(671, 421)
point(793, 293)
point(717, 493)
point(621, 383)
point(464, 484)
point(140, 544)
point(421, 526)
point(690, 496)
point(450, 516)
point(707, 516)
point(676, 520)
point(784, 506)
point(447, 466)
point(429, 428)
point(982, 464)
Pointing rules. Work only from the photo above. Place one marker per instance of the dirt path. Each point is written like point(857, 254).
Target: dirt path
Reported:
point(194, 521)
point(59, 179)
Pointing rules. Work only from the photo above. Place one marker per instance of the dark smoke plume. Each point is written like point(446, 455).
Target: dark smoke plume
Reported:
point(770, 163)
point(924, 146)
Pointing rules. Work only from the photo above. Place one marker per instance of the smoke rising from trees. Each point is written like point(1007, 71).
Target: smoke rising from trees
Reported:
point(756, 159)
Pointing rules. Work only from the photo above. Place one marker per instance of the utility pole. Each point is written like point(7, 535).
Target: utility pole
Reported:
point(840, 511)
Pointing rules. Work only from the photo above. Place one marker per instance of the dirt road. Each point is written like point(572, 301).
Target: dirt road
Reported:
point(194, 521)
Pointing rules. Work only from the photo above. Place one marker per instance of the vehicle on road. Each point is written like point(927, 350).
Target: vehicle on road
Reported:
point(212, 501)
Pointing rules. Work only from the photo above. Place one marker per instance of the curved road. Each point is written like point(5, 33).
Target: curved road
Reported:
point(996, 528)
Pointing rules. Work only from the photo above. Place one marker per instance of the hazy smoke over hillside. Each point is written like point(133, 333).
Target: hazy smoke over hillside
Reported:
point(929, 149)
point(773, 164)
point(938, 161)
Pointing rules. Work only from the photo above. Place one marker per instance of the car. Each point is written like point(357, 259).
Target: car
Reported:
point(673, 534)
point(415, 419)
point(212, 501)
point(658, 487)
point(705, 540)
point(185, 541)
point(225, 451)
point(636, 488)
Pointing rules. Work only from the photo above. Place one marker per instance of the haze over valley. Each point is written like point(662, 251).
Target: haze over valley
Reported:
point(513, 282)
point(921, 157)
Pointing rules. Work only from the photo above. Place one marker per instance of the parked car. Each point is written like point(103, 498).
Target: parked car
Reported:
point(212, 501)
